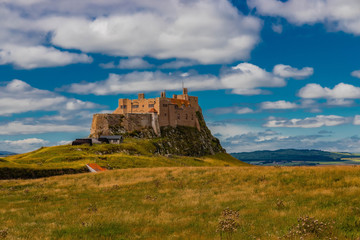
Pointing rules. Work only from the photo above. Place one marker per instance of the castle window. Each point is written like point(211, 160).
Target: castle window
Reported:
point(165, 114)
point(165, 105)
point(151, 105)
point(135, 106)
point(122, 106)
point(192, 116)
point(186, 116)
point(142, 105)
point(176, 106)
point(178, 116)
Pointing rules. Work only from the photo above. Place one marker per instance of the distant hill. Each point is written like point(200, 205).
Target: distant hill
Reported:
point(295, 157)
point(5, 153)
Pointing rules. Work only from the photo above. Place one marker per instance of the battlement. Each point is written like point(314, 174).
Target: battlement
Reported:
point(178, 110)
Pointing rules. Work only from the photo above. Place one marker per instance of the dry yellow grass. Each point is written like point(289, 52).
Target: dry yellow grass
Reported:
point(181, 203)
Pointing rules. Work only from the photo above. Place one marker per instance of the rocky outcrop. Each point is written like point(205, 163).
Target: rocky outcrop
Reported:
point(180, 140)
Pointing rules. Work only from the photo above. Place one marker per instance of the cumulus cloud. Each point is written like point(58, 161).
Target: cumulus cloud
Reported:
point(271, 140)
point(278, 28)
point(178, 64)
point(143, 81)
point(357, 120)
point(243, 79)
point(278, 105)
point(340, 91)
point(340, 102)
point(64, 142)
point(205, 31)
point(356, 74)
point(29, 57)
point(246, 77)
point(235, 110)
point(287, 71)
point(131, 63)
point(341, 15)
point(22, 128)
point(19, 97)
point(310, 122)
point(23, 145)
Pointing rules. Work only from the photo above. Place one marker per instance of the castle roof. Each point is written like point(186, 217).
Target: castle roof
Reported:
point(180, 102)
point(152, 110)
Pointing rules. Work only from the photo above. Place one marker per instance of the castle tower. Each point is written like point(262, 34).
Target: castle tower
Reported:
point(141, 96)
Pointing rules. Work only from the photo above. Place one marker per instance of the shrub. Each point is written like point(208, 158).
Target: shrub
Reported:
point(311, 228)
point(3, 233)
point(228, 223)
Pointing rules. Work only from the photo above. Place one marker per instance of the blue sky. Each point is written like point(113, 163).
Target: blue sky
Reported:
point(269, 74)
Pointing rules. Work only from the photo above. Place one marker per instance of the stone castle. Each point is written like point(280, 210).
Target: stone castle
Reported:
point(142, 113)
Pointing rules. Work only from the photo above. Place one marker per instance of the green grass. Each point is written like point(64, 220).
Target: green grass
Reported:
point(133, 153)
point(181, 203)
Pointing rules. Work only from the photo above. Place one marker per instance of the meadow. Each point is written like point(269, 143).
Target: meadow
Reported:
point(186, 203)
point(133, 153)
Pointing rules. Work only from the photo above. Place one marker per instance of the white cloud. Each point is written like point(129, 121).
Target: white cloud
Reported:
point(143, 81)
point(235, 110)
point(178, 64)
point(269, 140)
point(206, 31)
point(134, 63)
point(24, 145)
point(310, 122)
point(131, 63)
point(246, 78)
point(278, 28)
point(29, 57)
point(243, 79)
point(278, 105)
point(356, 120)
point(224, 131)
point(64, 142)
point(339, 102)
point(287, 71)
point(340, 91)
point(356, 74)
point(19, 97)
point(26, 141)
point(343, 15)
point(18, 127)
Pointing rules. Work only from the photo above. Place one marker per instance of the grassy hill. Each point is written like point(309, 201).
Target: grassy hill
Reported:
point(293, 157)
point(186, 203)
point(133, 153)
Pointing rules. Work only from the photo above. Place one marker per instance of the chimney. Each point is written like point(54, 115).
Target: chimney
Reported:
point(163, 94)
point(141, 96)
point(185, 91)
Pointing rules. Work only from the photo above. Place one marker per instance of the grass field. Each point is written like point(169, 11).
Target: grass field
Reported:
point(185, 203)
point(133, 153)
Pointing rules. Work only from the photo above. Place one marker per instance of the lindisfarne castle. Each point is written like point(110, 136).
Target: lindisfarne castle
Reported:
point(143, 113)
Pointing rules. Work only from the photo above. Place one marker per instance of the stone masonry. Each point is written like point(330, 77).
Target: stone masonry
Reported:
point(142, 113)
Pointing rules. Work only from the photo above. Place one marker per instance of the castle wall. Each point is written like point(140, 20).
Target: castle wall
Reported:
point(136, 106)
point(117, 124)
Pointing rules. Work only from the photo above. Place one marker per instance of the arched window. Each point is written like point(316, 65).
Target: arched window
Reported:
point(178, 116)
point(186, 117)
